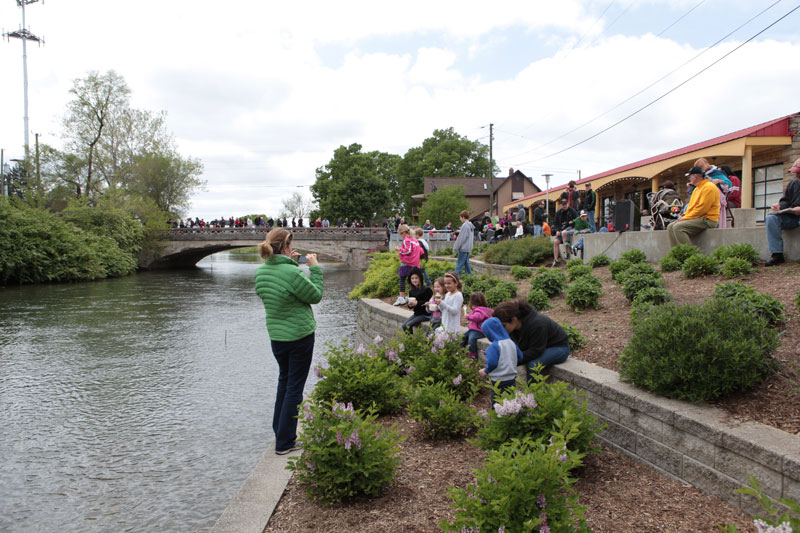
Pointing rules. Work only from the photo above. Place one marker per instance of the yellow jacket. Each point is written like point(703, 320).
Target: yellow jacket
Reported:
point(704, 202)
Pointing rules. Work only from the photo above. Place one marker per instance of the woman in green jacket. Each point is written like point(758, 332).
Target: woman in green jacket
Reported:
point(287, 295)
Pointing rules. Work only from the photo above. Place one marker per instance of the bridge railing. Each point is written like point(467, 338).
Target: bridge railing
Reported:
point(176, 233)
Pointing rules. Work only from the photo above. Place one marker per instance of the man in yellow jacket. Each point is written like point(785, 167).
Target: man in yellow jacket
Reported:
point(702, 213)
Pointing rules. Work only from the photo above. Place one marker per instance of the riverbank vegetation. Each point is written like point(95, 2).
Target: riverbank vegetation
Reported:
point(454, 462)
point(92, 207)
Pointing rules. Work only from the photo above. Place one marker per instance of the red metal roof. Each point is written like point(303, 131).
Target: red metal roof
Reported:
point(774, 128)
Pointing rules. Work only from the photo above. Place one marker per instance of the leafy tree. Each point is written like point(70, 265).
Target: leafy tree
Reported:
point(355, 184)
point(446, 154)
point(444, 205)
point(98, 99)
point(166, 179)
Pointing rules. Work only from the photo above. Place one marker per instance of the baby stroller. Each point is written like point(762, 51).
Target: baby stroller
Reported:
point(665, 206)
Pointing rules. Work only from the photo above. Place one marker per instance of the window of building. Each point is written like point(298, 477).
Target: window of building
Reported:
point(767, 188)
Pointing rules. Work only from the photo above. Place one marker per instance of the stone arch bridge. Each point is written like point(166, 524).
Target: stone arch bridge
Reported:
point(182, 248)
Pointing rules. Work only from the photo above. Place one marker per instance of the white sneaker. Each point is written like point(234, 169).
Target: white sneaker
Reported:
point(400, 301)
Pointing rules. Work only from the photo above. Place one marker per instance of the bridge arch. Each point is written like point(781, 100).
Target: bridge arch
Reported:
point(183, 248)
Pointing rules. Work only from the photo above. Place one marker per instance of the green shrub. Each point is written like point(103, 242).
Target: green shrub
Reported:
point(523, 486)
point(501, 292)
point(37, 246)
point(445, 251)
point(617, 267)
point(360, 377)
point(634, 255)
point(527, 251)
point(576, 338)
point(403, 349)
point(441, 413)
point(436, 269)
point(538, 299)
point(645, 269)
point(520, 272)
point(477, 282)
point(698, 353)
point(699, 265)
point(652, 295)
point(682, 252)
point(552, 281)
point(797, 301)
point(574, 261)
point(669, 264)
point(576, 271)
point(380, 278)
point(600, 260)
point(746, 297)
point(346, 454)
point(744, 251)
point(536, 410)
point(635, 282)
point(448, 363)
point(584, 293)
point(735, 267)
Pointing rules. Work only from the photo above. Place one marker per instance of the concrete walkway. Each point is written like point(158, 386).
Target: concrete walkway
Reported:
point(250, 509)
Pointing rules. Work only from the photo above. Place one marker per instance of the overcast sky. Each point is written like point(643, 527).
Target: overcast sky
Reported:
point(263, 92)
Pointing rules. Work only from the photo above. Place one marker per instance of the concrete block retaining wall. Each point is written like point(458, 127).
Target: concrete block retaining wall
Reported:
point(697, 444)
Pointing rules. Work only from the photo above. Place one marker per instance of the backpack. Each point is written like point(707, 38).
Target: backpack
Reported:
point(424, 255)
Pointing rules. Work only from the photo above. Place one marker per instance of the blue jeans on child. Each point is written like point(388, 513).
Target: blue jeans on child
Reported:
point(294, 361)
point(462, 263)
point(552, 355)
point(414, 321)
point(471, 337)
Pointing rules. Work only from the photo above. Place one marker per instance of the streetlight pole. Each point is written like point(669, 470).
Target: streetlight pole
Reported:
point(547, 181)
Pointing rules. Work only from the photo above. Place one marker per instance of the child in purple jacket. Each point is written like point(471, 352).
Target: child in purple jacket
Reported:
point(478, 312)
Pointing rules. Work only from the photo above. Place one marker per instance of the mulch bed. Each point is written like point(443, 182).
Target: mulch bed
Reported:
point(621, 495)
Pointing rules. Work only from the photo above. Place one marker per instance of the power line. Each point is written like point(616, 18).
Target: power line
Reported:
point(601, 115)
point(663, 95)
point(680, 18)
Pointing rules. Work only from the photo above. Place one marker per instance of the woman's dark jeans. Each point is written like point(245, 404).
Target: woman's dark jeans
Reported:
point(414, 321)
point(294, 361)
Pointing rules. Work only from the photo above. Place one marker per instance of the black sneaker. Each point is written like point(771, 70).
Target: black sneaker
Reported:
point(290, 450)
point(776, 259)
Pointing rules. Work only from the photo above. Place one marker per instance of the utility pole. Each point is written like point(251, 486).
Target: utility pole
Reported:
point(547, 181)
point(491, 172)
point(25, 35)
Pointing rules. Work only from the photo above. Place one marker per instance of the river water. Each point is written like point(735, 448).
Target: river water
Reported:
point(141, 403)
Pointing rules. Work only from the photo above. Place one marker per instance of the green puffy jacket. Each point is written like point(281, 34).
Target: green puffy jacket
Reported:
point(287, 295)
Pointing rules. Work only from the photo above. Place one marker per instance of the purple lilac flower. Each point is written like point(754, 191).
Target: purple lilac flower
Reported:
point(340, 410)
point(311, 466)
point(318, 372)
point(377, 340)
point(308, 414)
point(339, 438)
point(501, 529)
point(457, 380)
point(543, 527)
point(541, 501)
point(508, 407)
point(527, 400)
point(434, 350)
point(401, 348)
point(361, 350)
point(355, 440)
point(440, 340)
point(410, 369)
point(483, 412)
point(475, 529)
point(391, 355)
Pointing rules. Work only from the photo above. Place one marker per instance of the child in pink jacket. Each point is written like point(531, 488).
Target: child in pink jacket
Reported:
point(478, 312)
point(409, 252)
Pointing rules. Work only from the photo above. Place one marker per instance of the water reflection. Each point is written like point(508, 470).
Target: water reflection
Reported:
point(140, 403)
